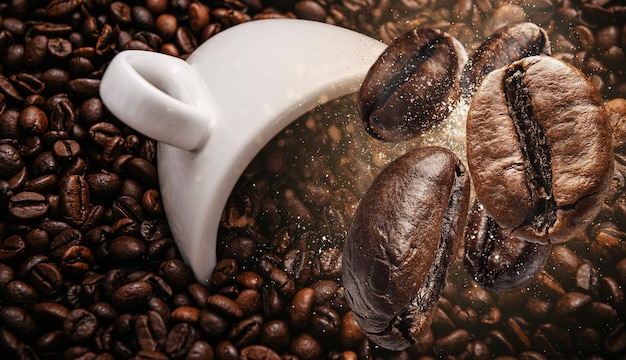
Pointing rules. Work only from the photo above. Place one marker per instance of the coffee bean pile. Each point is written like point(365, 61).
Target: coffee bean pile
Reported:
point(88, 268)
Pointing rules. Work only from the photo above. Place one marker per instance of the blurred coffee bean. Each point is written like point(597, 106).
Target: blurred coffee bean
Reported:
point(305, 347)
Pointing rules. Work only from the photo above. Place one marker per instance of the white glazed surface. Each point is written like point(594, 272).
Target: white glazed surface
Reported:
point(213, 113)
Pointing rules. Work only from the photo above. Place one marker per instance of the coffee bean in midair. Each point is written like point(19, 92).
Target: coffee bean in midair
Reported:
point(505, 46)
point(497, 261)
point(401, 242)
point(539, 149)
point(413, 85)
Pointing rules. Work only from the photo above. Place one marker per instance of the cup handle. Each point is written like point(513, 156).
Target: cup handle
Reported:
point(160, 96)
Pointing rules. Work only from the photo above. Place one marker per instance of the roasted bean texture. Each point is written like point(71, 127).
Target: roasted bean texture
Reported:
point(539, 149)
point(413, 85)
point(402, 240)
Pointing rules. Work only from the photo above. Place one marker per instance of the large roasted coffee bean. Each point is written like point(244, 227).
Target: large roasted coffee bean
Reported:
point(401, 243)
point(498, 261)
point(507, 45)
point(539, 149)
point(413, 85)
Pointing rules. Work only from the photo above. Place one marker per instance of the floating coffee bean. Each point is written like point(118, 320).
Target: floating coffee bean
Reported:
point(426, 65)
point(525, 124)
point(401, 242)
point(498, 261)
point(507, 45)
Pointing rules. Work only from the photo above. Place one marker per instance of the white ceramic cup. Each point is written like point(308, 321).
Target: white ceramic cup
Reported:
point(212, 113)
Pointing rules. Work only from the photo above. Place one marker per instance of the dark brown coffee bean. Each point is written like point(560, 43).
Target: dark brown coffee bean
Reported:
point(62, 115)
point(378, 258)
point(126, 249)
point(453, 343)
point(198, 17)
point(309, 9)
point(507, 45)
point(179, 340)
point(301, 306)
point(76, 260)
point(131, 296)
point(185, 40)
point(224, 306)
point(35, 51)
point(27, 205)
point(143, 171)
point(225, 350)
point(33, 120)
point(413, 85)
point(31, 85)
point(46, 278)
point(80, 326)
point(127, 207)
point(551, 340)
point(74, 199)
point(120, 13)
point(325, 321)
point(104, 184)
point(10, 161)
point(19, 293)
point(66, 149)
point(104, 312)
point(59, 48)
point(496, 260)
point(176, 273)
point(258, 352)
point(84, 87)
point(7, 275)
point(18, 321)
point(529, 183)
point(60, 9)
point(166, 25)
point(212, 324)
point(50, 313)
point(305, 347)
point(275, 334)
point(43, 184)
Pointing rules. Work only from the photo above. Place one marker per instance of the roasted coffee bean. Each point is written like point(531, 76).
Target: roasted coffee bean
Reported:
point(507, 45)
point(12, 248)
point(301, 306)
point(179, 340)
point(523, 171)
point(46, 278)
point(74, 199)
point(10, 161)
point(133, 295)
point(19, 293)
point(66, 149)
point(28, 205)
point(76, 260)
point(325, 321)
point(413, 85)
point(33, 120)
point(18, 321)
point(496, 260)
point(305, 347)
point(80, 326)
point(50, 313)
point(126, 249)
point(393, 313)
